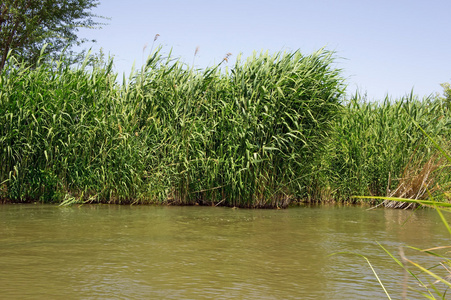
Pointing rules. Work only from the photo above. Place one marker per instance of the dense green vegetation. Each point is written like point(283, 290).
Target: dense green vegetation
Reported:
point(271, 130)
point(376, 146)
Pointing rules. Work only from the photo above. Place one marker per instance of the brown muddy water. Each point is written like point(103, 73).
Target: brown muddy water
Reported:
point(148, 252)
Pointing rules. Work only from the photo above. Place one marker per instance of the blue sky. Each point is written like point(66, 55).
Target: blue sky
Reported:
point(385, 47)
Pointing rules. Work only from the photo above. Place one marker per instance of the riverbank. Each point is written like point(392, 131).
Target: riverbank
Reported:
point(270, 131)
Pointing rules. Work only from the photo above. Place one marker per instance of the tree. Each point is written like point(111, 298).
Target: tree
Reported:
point(446, 94)
point(27, 25)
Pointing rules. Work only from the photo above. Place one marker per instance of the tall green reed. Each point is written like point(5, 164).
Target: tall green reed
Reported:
point(269, 129)
point(61, 134)
point(248, 136)
point(373, 143)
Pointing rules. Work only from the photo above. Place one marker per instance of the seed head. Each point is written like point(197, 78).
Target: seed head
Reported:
point(226, 58)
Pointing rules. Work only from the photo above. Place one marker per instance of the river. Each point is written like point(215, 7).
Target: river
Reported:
point(164, 252)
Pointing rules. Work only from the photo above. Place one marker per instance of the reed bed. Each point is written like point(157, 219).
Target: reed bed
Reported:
point(61, 135)
point(377, 147)
point(270, 130)
point(245, 137)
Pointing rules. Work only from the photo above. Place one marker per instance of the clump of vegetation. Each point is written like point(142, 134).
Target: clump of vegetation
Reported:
point(446, 98)
point(376, 148)
point(250, 136)
point(272, 129)
point(246, 137)
point(61, 134)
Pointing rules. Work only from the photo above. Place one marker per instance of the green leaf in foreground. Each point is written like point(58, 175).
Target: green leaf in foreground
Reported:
point(444, 205)
point(372, 269)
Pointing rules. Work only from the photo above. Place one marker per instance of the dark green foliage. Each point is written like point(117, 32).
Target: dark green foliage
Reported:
point(446, 95)
point(27, 25)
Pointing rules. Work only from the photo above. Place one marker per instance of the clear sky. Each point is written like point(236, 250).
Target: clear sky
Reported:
point(385, 47)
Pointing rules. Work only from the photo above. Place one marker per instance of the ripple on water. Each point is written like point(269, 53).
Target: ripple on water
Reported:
point(126, 252)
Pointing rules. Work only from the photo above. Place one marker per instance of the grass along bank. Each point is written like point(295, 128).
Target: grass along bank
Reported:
point(377, 150)
point(272, 129)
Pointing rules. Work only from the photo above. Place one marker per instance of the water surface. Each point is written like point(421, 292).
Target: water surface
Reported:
point(147, 252)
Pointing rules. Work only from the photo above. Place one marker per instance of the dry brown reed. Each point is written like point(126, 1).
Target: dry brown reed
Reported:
point(416, 182)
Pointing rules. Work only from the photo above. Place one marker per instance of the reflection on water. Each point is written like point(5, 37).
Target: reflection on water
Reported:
point(141, 252)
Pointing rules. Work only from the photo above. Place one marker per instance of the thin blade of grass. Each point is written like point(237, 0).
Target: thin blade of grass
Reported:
point(372, 269)
point(445, 222)
point(400, 264)
point(446, 282)
point(422, 202)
